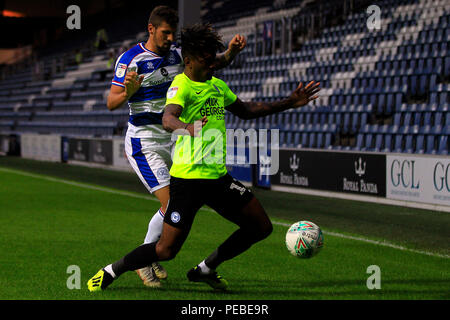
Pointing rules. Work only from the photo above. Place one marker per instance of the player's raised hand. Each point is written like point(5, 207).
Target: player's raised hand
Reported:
point(132, 83)
point(303, 95)
point(237, 44)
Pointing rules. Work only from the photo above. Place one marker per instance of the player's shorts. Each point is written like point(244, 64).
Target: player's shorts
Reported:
point(225, 195)
point(151, 160)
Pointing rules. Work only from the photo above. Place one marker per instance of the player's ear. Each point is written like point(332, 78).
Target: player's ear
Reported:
point(187, 60)
point(151, 29)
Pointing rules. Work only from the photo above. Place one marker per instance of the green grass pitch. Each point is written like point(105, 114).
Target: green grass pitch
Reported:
point(53, 216)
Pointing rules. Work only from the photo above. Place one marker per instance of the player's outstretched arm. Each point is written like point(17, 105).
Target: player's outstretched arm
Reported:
point(171, 121)
point(299, 98)
point(236, 45)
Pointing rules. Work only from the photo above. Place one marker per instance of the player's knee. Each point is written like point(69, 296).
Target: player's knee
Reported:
point(260, 230)
point(166, 252)
point(265, 229)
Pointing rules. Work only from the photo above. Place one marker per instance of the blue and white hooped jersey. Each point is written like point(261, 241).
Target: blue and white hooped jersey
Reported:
point(147, 104)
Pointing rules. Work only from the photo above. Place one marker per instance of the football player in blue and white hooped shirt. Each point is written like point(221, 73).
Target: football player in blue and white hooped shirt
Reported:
point(142, 76)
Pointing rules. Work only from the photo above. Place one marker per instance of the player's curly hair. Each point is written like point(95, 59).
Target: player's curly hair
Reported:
point(162, 14)
point(199, 40)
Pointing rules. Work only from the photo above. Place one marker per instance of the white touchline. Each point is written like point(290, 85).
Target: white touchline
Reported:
point(151, 198)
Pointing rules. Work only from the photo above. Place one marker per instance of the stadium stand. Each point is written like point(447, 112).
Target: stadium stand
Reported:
point(383, 90)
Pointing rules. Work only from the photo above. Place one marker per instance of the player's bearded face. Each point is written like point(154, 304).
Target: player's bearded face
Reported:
point(164, 36)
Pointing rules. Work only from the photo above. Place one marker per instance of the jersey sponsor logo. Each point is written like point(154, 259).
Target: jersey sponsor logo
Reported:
point(211, 107)
point(175, 217)
point(172, 92)
point(211, 102)
point(120, 71)
point(199, 92)
point(212, 111)
point(164, 72)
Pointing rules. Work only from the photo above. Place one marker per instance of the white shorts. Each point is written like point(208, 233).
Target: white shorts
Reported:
point(151, 160)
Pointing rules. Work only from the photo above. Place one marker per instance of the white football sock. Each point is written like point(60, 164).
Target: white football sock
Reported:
point(155, 227)
point(109, 269)
point(204, 268)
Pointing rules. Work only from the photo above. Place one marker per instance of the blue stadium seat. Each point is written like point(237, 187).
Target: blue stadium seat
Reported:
point(408, 148)
point(413, 82)
point(296, 141)
point(420, 147)
point(447, 65)
point(443, 144)
point(378, 142)
point(397, 119)
point(289, 140)
point(368, 142)
point(423, 85)
point(359, 142)
point(417, 118)
point(407, 119)
point(346, 123)
point(323, 118)
point(307, 118)
point(437, 119)
point(398, 143)
point(430, 147)
point(427, 118)
point(304, 140)
point(312, 140)
point(437, 129)
point(328, 141)
point(282, 138)
point(320, 140)
point(433, 98)
point(443, 97)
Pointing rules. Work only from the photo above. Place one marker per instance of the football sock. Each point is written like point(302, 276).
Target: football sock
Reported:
point(139, 258)
point(237, 243)
point(155, 227)
point(204, 268)
point(109, 269)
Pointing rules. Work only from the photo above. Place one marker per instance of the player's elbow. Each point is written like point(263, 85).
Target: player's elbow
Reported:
point(166, 122)
point(109, 103)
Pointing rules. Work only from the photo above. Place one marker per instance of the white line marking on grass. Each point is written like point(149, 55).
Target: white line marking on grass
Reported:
point(375, 242)
point(151, 198)
point(81, 185)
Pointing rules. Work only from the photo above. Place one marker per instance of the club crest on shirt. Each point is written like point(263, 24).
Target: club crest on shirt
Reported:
point(120, 71)
point(162, 173)
point(150, 66)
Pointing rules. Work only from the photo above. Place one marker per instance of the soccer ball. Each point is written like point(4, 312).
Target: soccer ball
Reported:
point(304, 239)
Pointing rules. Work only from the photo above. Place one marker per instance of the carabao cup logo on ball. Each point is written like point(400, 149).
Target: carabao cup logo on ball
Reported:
point(304, 239)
